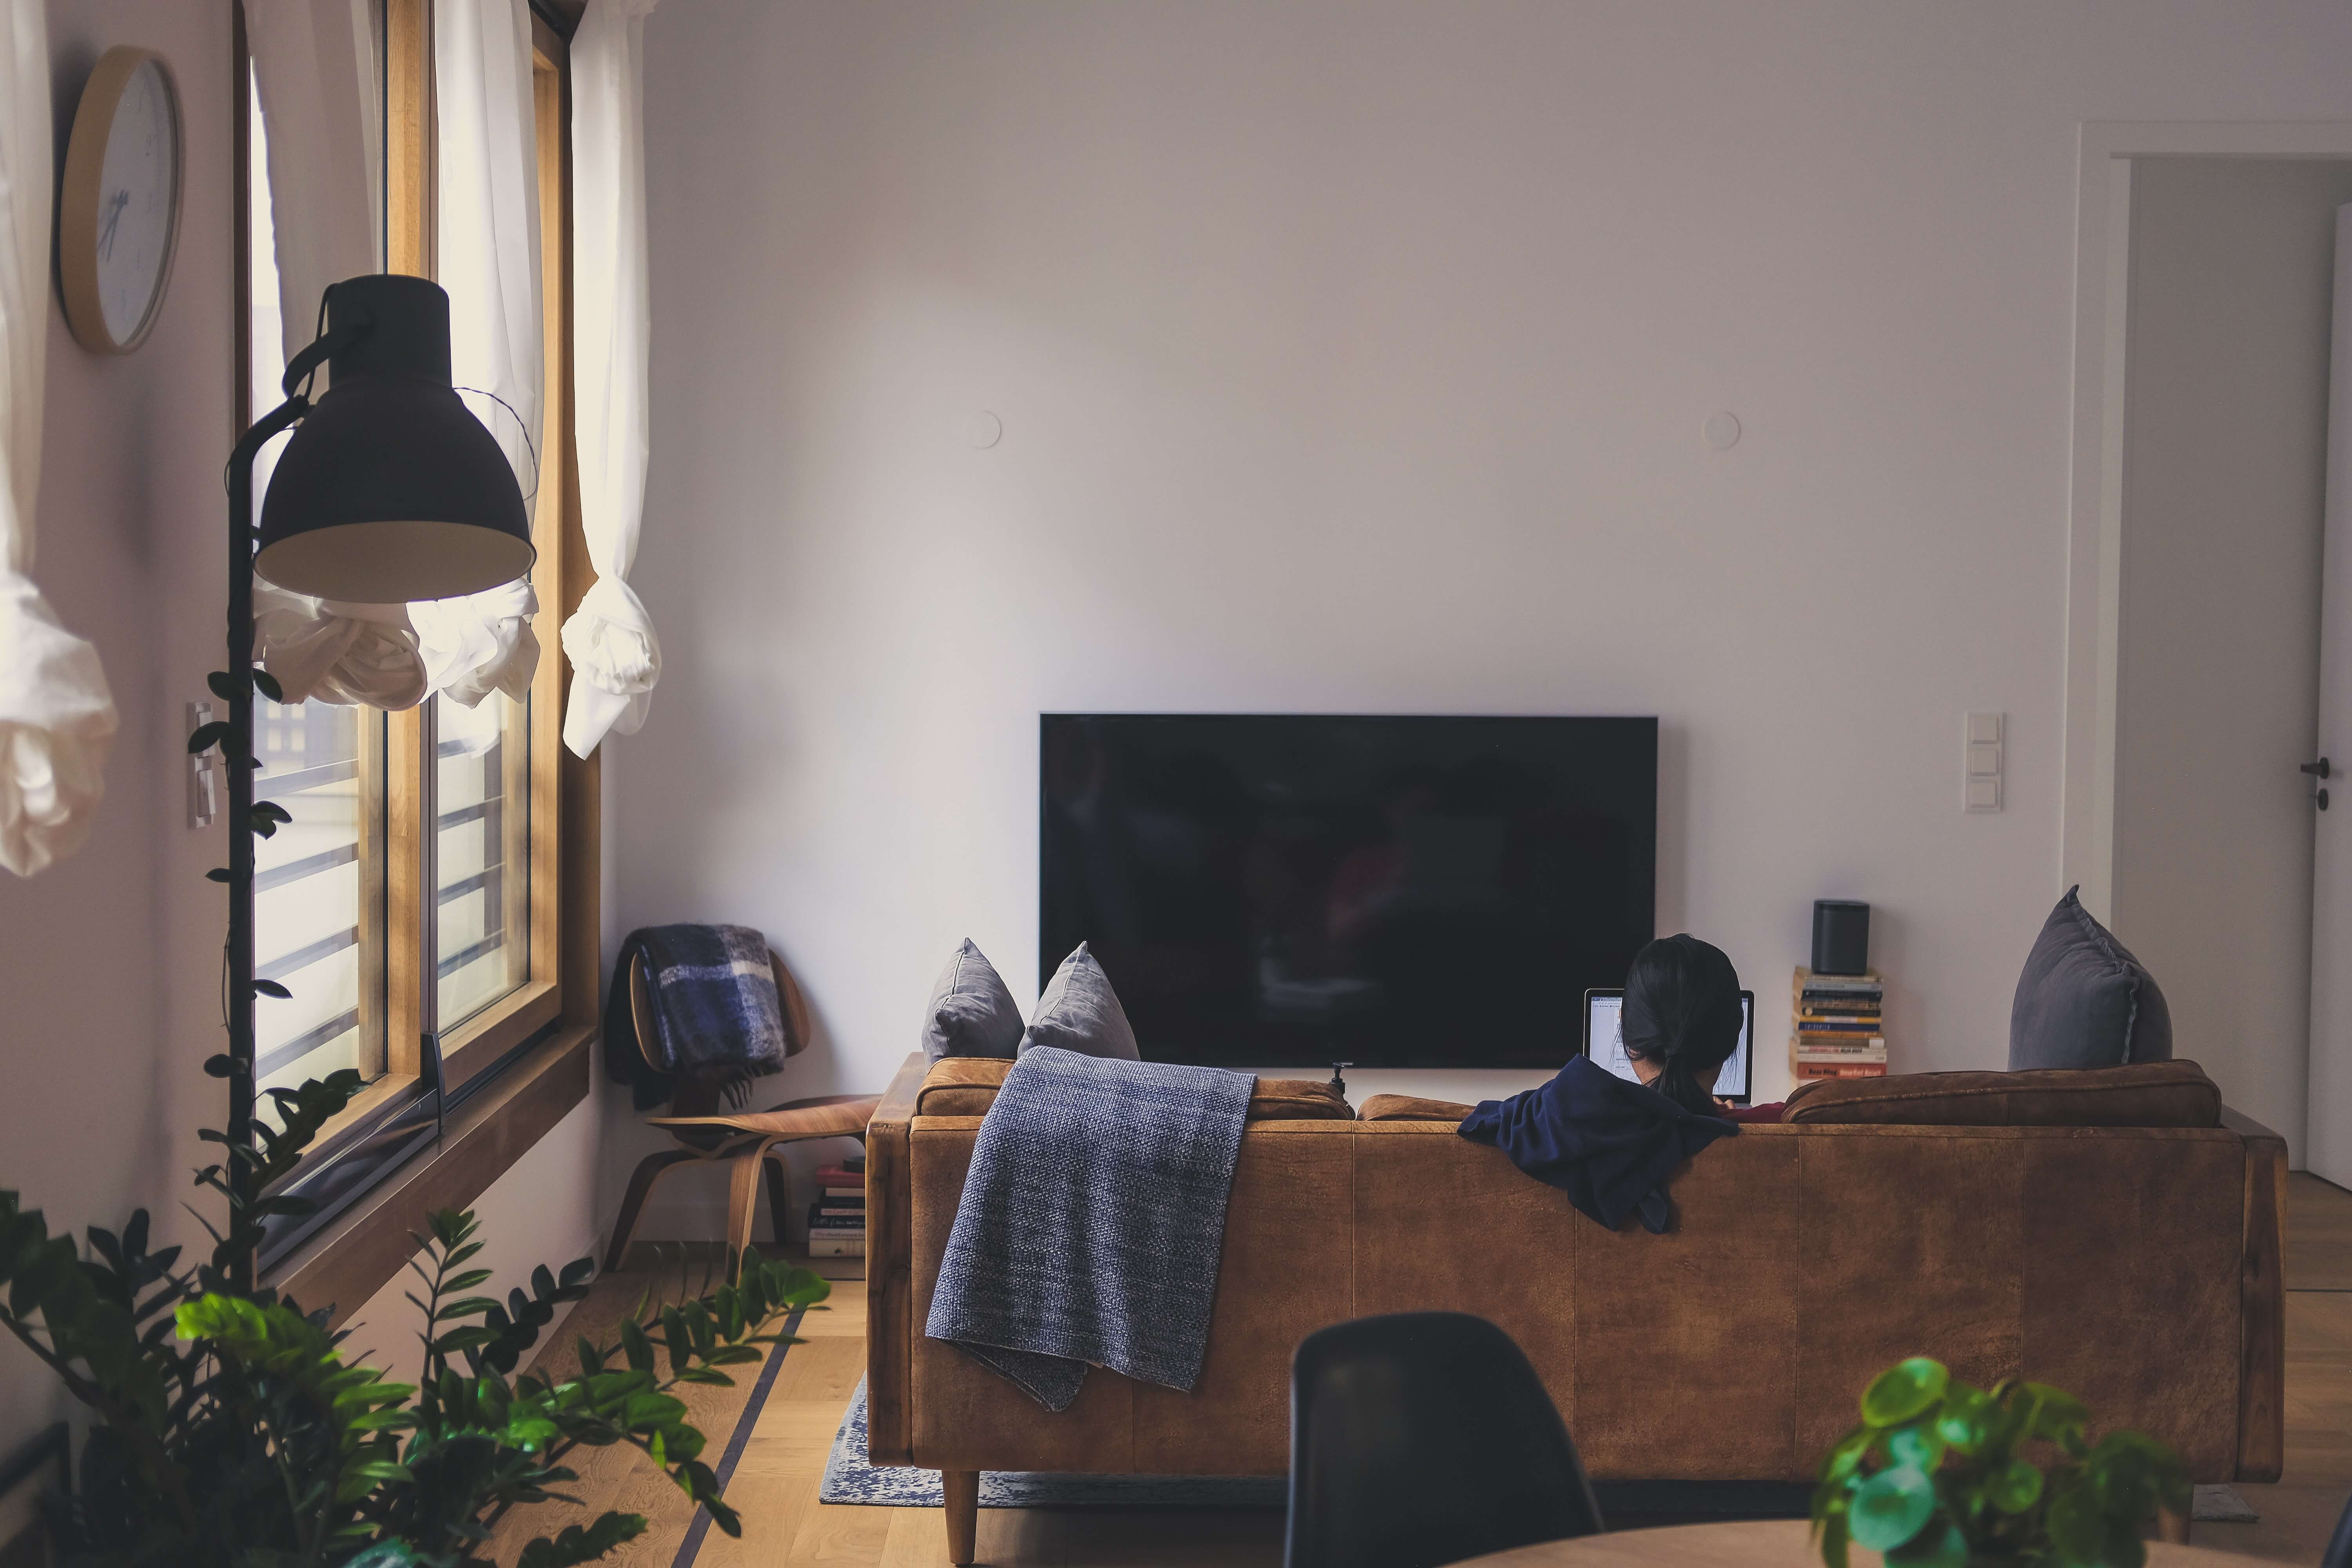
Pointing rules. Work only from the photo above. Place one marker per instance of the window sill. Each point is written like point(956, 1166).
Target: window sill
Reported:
point(366, 1248)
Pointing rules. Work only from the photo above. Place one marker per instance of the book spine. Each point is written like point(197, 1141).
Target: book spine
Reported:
point(827, 1248)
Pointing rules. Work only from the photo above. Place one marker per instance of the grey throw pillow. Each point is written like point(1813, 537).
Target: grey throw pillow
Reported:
point(1079, 1012)
point(972, 1013)
point(2083, 1000)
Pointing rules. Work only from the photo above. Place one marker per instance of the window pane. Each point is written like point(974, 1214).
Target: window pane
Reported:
point(482, 862)
point(318, 891)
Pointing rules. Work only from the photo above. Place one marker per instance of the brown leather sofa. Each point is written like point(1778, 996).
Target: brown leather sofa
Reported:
point(2137, 1265)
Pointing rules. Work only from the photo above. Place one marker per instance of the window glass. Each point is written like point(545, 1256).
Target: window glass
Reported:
point(317, 892)
point(481, 857)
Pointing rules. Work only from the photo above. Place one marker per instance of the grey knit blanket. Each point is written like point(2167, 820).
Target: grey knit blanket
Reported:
point(1090, 1223)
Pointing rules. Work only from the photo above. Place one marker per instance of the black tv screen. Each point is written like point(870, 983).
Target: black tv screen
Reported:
point(1271, 890)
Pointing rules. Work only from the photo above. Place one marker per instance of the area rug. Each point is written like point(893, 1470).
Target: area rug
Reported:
point(848, 1478)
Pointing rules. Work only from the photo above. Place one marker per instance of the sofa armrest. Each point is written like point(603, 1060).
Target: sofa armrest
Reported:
point(890, 1269)
point(2262, 1286)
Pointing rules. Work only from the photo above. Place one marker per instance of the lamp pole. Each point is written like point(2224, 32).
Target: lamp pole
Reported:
point(238, 750)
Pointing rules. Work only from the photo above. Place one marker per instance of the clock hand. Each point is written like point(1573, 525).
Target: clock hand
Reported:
point(114, 209)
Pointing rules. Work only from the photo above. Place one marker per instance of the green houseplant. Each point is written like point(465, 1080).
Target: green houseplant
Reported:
point(1943, 1474)
point(230, 1433)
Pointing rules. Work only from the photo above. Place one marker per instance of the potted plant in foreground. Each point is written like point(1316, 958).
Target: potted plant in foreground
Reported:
point(1942, 1474)
point(230, 1433)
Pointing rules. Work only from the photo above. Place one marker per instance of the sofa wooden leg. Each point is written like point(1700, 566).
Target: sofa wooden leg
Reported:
point(961, 1488)
point(2174, 1527)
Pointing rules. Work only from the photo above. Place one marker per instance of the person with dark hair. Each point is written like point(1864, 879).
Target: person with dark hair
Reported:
point(1611, 1143)
point(1682, 1019)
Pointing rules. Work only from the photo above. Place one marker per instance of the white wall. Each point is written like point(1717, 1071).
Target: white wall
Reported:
point(1355, 357)
point(2232, 284)
point(109, 962)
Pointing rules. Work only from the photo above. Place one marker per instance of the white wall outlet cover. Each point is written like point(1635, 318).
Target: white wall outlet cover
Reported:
point(986, 429)
point(1722, 431)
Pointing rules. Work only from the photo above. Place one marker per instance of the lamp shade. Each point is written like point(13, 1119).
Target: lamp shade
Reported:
point(390, 489)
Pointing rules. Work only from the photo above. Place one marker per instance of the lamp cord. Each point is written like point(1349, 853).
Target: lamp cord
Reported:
point(530, 449)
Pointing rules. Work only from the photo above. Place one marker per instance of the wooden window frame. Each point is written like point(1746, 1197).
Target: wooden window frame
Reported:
point(516, 1068)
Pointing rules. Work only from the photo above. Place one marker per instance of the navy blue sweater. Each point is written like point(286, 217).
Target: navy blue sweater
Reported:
point(1607, 1142)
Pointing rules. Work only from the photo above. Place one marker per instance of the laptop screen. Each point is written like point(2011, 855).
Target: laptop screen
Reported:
point(1604, 1042)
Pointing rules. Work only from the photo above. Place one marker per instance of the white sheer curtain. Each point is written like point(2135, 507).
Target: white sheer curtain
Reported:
point(615, 658)
point(314, 67)
point(318, 219)
point(489, 263)
point(57, 716)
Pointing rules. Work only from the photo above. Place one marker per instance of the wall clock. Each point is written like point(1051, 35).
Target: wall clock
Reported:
point(119, 209)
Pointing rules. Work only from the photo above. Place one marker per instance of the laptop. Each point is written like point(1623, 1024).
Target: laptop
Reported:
point(1604, 1042)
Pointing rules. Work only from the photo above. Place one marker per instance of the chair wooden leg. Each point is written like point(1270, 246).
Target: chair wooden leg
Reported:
point(961, 1493)
point(641, 1185)
point(742, 1203)
point(2174, 1527)
point(779, 1189)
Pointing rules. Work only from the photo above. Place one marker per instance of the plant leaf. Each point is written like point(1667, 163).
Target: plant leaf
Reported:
point(1891, 1508)
point(1904, 1390)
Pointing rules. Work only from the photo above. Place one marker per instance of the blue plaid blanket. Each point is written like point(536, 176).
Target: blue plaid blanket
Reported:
point(1091, 1221)
point(717, 1017)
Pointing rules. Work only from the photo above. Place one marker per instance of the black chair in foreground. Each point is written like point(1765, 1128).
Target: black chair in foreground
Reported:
point(2339, 1545)
point(1424, 1439)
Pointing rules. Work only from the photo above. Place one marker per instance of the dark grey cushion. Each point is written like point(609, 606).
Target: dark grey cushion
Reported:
point(2083, 1000)
point(1079, 1012)
point(972, 1013)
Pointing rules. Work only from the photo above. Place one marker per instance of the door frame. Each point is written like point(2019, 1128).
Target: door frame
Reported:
point(2095, 539)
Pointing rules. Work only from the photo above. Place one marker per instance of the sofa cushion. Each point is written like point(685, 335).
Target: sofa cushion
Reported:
point(1079, 1012)
point(1411, 1108)
point(2148, 1094)
point(972, 1013)
point(967, 1086)
point(2083, 1000)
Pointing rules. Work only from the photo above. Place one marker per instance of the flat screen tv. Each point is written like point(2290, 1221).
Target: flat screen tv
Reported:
point(1269, 891)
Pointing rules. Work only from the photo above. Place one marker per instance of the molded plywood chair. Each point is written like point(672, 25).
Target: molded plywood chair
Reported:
point(746, 1142)
point(1425, 1437)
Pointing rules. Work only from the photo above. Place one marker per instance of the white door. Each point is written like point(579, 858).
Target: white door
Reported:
point(2327, 1138)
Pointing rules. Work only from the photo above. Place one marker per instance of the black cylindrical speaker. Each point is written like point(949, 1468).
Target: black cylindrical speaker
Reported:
point(1841, 937)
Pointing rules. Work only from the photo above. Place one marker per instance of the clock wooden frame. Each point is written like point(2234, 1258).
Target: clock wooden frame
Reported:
point(77, 198)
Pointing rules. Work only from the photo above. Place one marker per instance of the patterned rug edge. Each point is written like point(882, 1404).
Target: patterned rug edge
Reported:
point(850, 1478)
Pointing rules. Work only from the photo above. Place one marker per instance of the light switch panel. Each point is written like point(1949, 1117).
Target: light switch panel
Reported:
point(1982, 761)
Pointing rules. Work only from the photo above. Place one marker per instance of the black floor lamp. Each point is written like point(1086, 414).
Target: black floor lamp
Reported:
point(389, 491)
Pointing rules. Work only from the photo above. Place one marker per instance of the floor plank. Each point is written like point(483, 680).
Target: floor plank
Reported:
point(775, 1484)
point(2319, 1234)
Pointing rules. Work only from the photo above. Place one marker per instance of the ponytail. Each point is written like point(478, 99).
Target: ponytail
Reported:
point(1682, 1017)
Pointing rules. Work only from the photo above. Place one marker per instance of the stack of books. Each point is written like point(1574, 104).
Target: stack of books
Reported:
point(1840, 1027)
point(836, 1221)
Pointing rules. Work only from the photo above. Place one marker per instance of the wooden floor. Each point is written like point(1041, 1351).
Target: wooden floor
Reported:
point(774, 1482)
